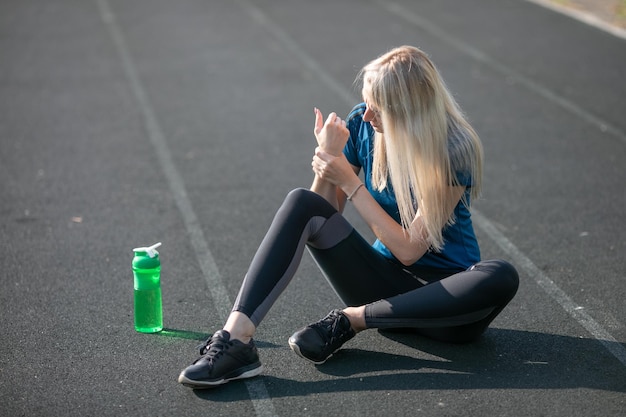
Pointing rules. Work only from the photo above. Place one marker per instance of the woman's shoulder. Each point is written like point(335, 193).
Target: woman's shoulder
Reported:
point(359, 143)
point(462, 155)
point(356, 114)
point(360, 131)
point(457, 140)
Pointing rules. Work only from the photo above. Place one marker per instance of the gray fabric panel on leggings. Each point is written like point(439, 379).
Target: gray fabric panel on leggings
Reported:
point(319, 232)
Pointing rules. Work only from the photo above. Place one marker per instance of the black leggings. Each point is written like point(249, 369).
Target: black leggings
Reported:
point(447, 305)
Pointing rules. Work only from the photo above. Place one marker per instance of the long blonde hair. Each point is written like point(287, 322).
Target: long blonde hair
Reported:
point(419, 118)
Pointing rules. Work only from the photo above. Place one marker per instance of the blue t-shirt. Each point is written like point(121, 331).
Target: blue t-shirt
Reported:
point(460, 249)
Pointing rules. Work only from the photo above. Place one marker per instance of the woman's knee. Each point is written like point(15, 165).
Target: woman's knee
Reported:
point(299, 197)
point(308, 202)
point(502, 274)
point(508, 272)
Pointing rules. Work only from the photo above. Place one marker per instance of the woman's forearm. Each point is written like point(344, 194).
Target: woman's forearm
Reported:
point(387, 230)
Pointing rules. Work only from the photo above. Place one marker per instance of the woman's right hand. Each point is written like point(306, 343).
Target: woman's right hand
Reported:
point(334, 169)
point(331, 135)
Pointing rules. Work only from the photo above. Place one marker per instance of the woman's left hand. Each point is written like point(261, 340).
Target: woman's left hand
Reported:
point(332, 134)
point(334, 169)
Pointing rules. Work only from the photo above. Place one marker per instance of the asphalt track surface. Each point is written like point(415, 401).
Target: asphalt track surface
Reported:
point(124, 123)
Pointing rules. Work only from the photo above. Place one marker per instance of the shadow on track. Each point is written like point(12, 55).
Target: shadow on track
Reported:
point(501, 359)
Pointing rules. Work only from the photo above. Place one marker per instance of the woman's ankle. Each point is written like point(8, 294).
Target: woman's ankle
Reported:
point(240, 327)
point(356, 315)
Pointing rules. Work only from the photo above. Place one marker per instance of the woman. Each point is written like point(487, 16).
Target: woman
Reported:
point(422, 164)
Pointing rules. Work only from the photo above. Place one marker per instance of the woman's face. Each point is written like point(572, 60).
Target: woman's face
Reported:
point(372, 116)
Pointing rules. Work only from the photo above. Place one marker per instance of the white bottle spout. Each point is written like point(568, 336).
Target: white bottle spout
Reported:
point(151, 250)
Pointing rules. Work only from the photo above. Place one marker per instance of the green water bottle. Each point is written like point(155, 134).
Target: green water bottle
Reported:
point(148, 307)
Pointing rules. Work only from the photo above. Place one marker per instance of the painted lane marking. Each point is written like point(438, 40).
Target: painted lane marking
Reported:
point(257, 390)
point(584, 17)
point(508, 72)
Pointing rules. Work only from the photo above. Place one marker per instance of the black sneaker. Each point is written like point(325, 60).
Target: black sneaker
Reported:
point(318, 341)
point(222, 360)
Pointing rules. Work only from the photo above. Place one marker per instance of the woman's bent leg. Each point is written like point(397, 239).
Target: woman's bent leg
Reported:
point(455, 309)
point(304, 217)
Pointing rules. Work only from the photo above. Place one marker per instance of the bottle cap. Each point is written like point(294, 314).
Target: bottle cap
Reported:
point(150, 251)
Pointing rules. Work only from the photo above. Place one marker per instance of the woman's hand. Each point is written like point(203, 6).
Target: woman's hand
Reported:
point(331, 135)
point(334, 169)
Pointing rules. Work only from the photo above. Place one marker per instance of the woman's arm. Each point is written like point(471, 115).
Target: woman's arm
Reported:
point(337, 171)
point(331, 136)
point(392, 234)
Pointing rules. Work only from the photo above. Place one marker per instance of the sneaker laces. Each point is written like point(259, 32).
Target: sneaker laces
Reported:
point(213, 348)
point(329, 328)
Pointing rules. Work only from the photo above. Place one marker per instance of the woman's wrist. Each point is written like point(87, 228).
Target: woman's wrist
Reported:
point(333, 152)
point(330, 151)
point(353, 190)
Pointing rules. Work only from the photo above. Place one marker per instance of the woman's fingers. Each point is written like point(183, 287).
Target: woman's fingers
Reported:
point(318, 120)
point(322, 155)
point(318, 166)
point(332, 133)
point(331, 118)
point(325, 166)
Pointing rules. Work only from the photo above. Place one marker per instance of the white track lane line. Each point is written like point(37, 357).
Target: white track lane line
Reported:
point(584, 17)
point(550, 287)
point(257, 390)
point(517, 257)
point(508, 72)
